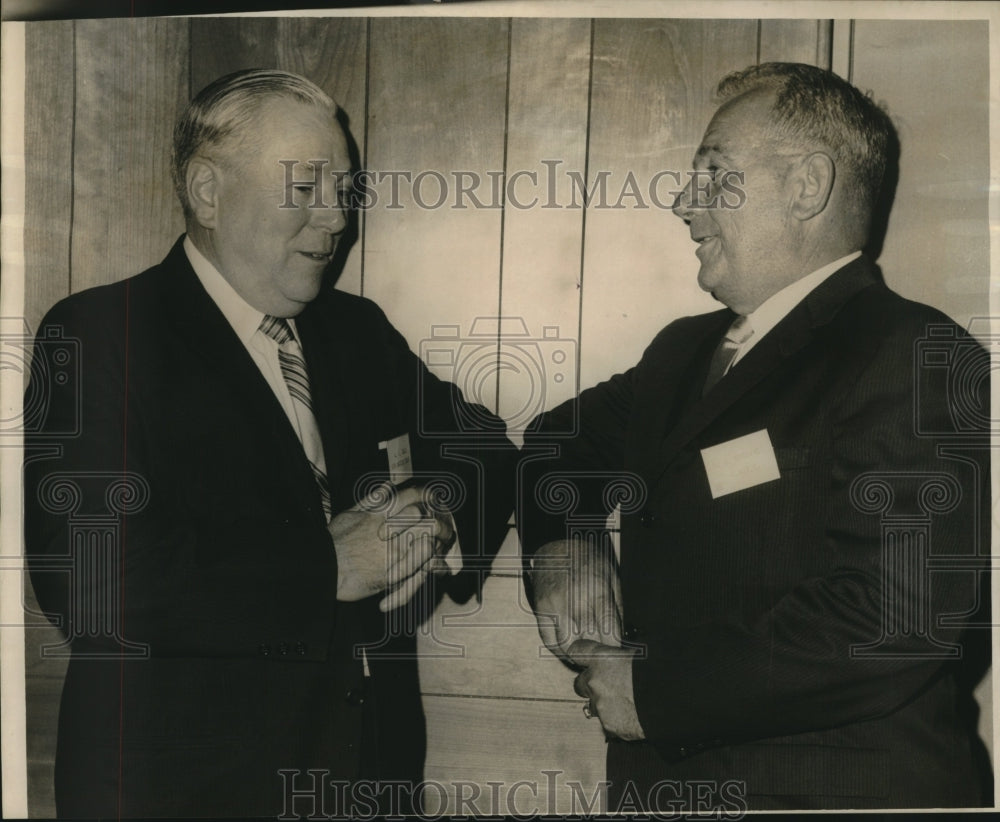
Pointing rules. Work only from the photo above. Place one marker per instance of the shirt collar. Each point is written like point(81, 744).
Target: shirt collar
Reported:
point(776, 307)
point(243, 317)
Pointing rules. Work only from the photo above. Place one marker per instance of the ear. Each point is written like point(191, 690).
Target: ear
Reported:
point(203, 190)
point(813, 184)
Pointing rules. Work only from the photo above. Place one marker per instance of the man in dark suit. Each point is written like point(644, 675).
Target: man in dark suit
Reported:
point(805, 505)
point(243, 642)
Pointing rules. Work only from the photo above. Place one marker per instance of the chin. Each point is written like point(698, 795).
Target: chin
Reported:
point(307, 291)
point(706, 283)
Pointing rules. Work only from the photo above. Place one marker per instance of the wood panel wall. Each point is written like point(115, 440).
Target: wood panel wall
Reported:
point(583, 289)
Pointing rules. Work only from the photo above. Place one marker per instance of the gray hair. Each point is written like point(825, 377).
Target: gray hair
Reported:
point(818, 108)
point(220, 114)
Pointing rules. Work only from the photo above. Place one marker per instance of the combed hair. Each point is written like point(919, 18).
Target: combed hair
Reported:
point(223, 111)
point(817, 108)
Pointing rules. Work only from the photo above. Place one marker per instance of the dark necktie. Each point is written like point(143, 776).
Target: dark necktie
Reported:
point(739, 332)
point(293, 370)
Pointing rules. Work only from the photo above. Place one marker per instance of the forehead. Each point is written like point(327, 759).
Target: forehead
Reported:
point(739, 129)
point(288, 129)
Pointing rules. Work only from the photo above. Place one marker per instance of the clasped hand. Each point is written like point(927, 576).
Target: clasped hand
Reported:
point(392, 540)
point(577, 597)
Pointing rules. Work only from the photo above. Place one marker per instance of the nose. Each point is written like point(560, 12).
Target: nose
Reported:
point(682, 206)
point(329, 219)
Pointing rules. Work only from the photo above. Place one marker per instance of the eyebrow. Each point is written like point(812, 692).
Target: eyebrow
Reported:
point(705, 150)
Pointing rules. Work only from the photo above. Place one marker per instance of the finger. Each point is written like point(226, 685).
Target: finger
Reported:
point(447, 535)
point(616, 588)
point(413, 559)
point(609, 622)
point(432, 566)
point(417, 515)
point(584, 652)
point(437, 566)
point(581, 685)
point(405, 592)
point(553, 635)
point(592, 615)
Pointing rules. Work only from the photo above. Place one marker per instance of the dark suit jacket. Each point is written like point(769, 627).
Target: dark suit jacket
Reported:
point(221, 566)
point(751, 609)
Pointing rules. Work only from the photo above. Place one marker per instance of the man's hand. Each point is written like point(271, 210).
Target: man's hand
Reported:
point(606, 680)
point(577, 595)
point(390, 541)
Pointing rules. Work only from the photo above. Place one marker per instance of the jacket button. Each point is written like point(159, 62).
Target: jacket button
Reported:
point(355, 696)
point(264, 649)
point(300, 648)
point(283, 649)
point(647, 518)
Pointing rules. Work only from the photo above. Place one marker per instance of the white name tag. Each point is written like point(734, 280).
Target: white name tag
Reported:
point(740, 463)
point(400, 460)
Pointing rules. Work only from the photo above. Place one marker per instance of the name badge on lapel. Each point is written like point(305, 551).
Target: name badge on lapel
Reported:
point(400, 460)
point(740, 463)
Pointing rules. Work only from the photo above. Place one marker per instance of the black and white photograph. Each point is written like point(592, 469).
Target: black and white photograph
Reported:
point(497, 408)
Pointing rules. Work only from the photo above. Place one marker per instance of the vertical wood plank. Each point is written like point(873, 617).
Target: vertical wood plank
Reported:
point(491, 649)
point(132, 81)
point(512, 741)
point(222, 45)
point(330, 52)
point(795, 41)
point(49, 97)
point(937, 246)
point(436, 107)
point(652, 98)
point(42, 721)
point(48, 145)
point(547, 135)
point(841, 48)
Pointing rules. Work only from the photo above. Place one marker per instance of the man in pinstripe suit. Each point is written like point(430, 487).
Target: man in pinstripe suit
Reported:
point(260, 643)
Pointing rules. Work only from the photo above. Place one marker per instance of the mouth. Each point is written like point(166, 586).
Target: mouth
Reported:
point(704, 241)
point(318, 256)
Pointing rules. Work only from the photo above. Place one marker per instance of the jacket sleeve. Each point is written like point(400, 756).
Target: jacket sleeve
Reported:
point(464, 441)
point(569, 455)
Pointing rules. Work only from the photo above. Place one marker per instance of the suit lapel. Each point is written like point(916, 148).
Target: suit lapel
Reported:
point(669, 384)
point(215, 347)
point(792, 334)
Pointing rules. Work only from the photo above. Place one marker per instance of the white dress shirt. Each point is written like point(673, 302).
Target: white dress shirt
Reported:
point(778, 306)
point(245, 320)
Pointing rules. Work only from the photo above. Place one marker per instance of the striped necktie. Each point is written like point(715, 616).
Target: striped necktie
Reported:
point(293, 370)
point(739, 332)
